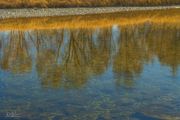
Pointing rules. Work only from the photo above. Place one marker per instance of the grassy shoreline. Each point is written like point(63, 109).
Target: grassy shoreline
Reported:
point(82, 3)
point(170, 16)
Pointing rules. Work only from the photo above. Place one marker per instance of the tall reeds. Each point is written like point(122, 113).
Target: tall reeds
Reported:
point(82, 3)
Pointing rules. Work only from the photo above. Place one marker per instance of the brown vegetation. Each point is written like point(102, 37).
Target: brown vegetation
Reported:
point(82, 3)
point(92, 21)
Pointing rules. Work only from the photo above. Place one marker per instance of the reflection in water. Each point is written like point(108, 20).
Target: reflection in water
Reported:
point(169, 17)
point(94, 70)
point(69, 57)
point(15, 54)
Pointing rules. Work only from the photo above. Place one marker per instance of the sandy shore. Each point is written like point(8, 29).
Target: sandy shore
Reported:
point(19, 13)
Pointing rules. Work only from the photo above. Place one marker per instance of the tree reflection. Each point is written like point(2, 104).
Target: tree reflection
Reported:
point(129, 60)
point(166, 46)
point(69, 57)
point(16, 57)
point(48, 46)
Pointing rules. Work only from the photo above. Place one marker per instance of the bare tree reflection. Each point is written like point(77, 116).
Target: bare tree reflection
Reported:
point(15, 55)
point(48, 45)
point(70, 57)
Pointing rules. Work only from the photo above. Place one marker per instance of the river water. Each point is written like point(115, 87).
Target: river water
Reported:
point(129, 72)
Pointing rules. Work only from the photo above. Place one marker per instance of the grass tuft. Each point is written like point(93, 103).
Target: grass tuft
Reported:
point(82, 3)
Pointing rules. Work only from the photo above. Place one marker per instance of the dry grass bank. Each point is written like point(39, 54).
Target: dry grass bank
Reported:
point(82, 3)
point(93, 21)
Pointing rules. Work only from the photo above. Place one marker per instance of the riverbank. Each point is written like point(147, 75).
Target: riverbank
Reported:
point(125, 18)
point(48, 12)
point(82, 3)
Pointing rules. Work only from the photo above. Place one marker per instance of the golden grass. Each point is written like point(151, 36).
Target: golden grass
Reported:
point(82, 3)
point(93, 21)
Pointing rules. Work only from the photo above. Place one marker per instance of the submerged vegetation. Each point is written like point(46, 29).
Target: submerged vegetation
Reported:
point(82, 3)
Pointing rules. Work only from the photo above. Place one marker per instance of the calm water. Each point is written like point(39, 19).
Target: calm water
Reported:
point(119, 72)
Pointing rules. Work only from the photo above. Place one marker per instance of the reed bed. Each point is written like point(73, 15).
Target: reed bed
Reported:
point(82, 3)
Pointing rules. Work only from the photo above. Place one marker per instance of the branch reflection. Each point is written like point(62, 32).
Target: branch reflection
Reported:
point(70, 57)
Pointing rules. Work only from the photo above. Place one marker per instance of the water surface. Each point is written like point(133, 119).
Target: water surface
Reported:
point(128, 72)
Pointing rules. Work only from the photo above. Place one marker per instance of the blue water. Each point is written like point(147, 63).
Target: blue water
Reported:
point(68, 74)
